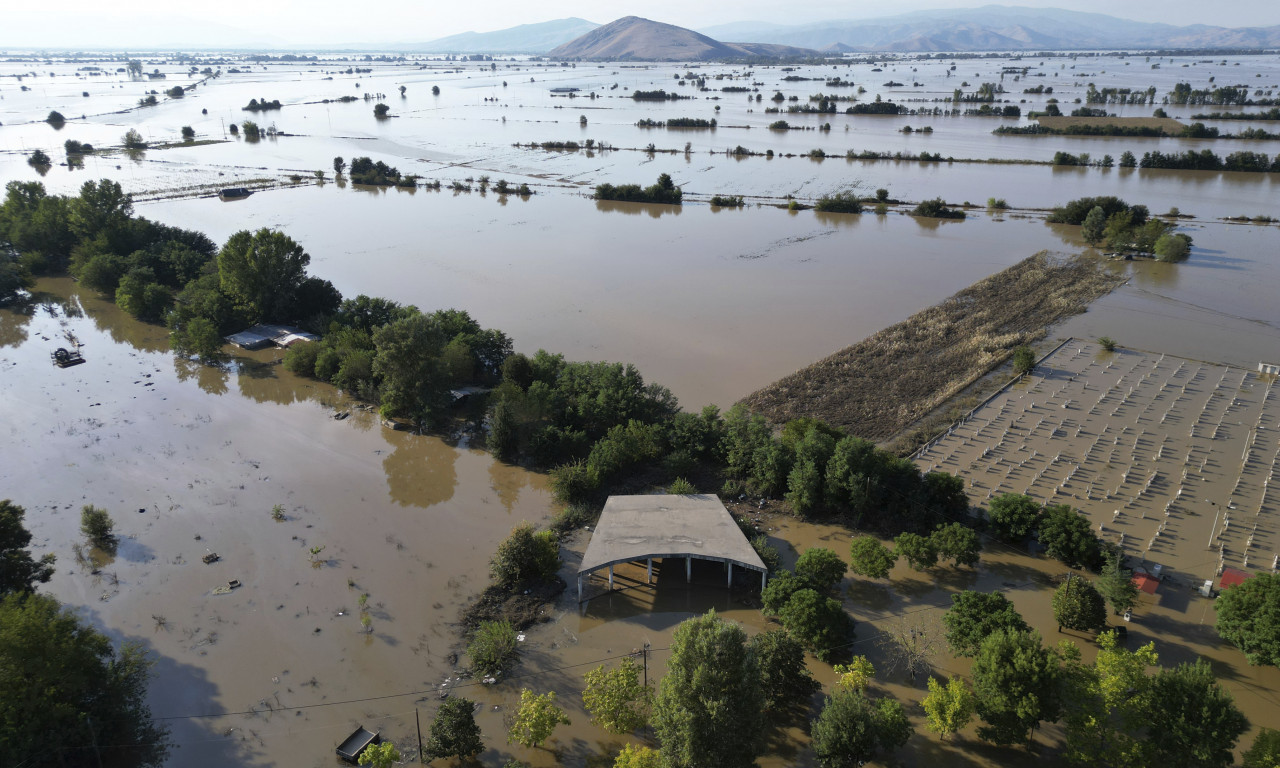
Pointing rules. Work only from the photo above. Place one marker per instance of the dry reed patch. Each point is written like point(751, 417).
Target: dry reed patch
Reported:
point(879, 386)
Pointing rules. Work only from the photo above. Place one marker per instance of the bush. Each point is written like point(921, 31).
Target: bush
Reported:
point(1107, 343)
point(133, 140)
point(681, 487)
point(1024, 360)
point(188, 133)
point(997, 203)
point(380, 110)
point(492, 649)
point(55, 119)
point(525, 556)
point(1172, 247)
point(882, 195)
point(39, 159)
point(97, 526)
point(840, 202)
point(936, 209)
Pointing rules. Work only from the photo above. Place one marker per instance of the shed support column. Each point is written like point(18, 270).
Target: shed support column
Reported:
point(764, 575)
point(688, 568)
point(579, 588)
point(730, 584)
point(648, 578)
point(611, 578)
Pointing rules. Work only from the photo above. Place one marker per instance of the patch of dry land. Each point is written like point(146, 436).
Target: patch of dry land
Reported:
point(1063, 122)
point(879, 386)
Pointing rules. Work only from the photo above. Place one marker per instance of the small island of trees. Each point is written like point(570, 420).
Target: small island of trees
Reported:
point(664, 191)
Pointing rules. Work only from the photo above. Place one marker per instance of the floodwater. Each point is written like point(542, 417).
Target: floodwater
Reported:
point(713, 303)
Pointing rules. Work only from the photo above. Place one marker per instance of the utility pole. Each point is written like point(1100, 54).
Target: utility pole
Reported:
point(645, 653)
point(417, 719)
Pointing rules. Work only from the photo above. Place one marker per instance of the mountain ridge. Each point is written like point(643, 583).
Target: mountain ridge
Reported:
point(633, 38)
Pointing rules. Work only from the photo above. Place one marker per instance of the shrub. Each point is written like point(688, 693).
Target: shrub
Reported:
point(525, 556)
point(188, 133)
point(936, 209)
point(39, 159)
point(882, 195)
point(840, 202)
point(97, 526)
point(681, 487)
point(1024, 359)
point(133, 139)
point(1173, 247)
point(55, 119)
point(997, 203)
point(380, 110)
point(492, 649)
point(881, 209)
point(1107, 343)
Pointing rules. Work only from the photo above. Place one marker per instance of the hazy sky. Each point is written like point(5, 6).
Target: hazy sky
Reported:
point(165, 23)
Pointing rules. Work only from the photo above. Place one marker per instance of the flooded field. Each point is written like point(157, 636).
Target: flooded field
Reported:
point(713, 303)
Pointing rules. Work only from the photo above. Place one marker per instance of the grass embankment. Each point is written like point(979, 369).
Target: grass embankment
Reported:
point(879, 386)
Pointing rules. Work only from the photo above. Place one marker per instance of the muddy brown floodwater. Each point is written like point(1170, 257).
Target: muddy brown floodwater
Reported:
point(191, 460)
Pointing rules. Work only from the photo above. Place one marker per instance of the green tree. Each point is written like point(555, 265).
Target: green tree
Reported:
point(1013, 516)
point(188, 133)
point(817, 621)
point(14, 277)
point(1066, 536)
point(262, 272)
point(957, 542)
point(632, 756)
point(63, 686)
point(338, 165)
point(852, 730)
point(821, 567)
point(414, 382)
point(97, 526)
point(133, 140)
point(141, 296)
point(975, 615)
point(1172, 247)
point(784, 678)
point(709, 709)
point(1077, 605)
point(617, 700)
point(380, 110)
point(525, 555)
point(454, 731)
point(382, 755)
point(1094, 223)
point(18, 571)
point(493, 647)
point(948, 708)
point(536, 719)
point(39, 158)
point(502, 439)
point(918, 550)
point(1024, 359)
point(102, 208)
point(1116, 584)
point(1015, 680)
point(1107, 704)
point(1199, 723)
point(870, 558)
point(1249, 618)
point(778, 591)
point(1265, 752)
point(198, 337)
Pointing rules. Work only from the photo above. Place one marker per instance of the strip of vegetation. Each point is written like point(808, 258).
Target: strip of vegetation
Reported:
point(1267, 114)
point(877, 108)
point(727, 201)
point(664, 191)
point(658, 95)
point(937, 209)
point(879, 386)
point(845, 201)
point(1184, 94)
point(255, 105)
point(677, 122)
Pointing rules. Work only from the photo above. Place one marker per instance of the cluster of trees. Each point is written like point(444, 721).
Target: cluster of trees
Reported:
point(806, 604)
point(64, 687)
point(1266, 114)
point(664, 191)
point(951, 541)
point(1206, 160)
point(658, 95)
point(877, 107)
point(677, 122)
point(1183, 93)
point(365, 171)
point(846, 201)
point(1105, 707)
point(256, 105)
point(404, 359)
point(937, 209)
point(1111, 221)
point(1063, 532)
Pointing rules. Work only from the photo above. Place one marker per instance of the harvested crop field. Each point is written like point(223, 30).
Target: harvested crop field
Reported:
point(1164, 124)
point(879, 386)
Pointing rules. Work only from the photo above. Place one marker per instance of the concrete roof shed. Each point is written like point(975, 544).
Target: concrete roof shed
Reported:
point(649, 527)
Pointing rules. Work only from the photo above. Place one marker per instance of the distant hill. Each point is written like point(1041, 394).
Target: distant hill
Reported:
point(997, 27)
point(526, 38)
point(635, 39)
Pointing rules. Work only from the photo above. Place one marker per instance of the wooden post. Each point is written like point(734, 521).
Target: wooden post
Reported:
point(579, 588)
point(418, 720)
point(730, 584)
point(688, 568)
point(764, 575)
point(648, 579)
point(611, 578)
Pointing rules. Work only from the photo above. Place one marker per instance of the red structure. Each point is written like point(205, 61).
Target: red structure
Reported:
point(1232, 577)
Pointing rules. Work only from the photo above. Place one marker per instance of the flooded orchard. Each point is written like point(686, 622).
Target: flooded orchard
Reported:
point(308, 512)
